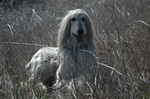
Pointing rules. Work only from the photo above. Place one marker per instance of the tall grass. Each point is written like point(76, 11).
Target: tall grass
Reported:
point(27, 26)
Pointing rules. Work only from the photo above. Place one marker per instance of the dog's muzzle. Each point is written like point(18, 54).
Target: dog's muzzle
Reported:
point(79, 36)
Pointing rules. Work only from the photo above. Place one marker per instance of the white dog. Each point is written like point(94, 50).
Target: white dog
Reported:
point(72, 60)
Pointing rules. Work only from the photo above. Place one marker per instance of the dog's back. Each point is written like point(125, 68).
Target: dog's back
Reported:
point(43, 66)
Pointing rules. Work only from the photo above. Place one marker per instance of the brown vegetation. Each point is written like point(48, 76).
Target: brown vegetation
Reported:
point(122, 42)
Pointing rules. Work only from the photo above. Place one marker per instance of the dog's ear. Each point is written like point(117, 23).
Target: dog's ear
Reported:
point(90, 29)
point(64, 31)
point(68, 28)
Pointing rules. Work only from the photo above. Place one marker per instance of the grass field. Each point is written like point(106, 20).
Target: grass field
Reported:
point(122, 43)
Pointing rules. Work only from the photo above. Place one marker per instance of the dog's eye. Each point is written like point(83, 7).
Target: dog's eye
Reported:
point(83, 19)
point(73, 19)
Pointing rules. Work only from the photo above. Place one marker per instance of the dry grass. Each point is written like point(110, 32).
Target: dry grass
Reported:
point(26, 27)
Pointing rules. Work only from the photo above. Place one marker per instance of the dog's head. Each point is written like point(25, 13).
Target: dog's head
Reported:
point(76, 28)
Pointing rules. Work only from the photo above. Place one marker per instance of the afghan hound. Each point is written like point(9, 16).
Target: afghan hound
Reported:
point(72, 61)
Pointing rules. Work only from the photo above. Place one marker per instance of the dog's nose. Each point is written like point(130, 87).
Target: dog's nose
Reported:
point(80, 31)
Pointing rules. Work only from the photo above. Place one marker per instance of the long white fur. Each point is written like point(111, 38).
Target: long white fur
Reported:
point(71, 61)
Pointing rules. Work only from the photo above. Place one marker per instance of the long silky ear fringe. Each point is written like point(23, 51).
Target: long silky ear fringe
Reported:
point(64, 32)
